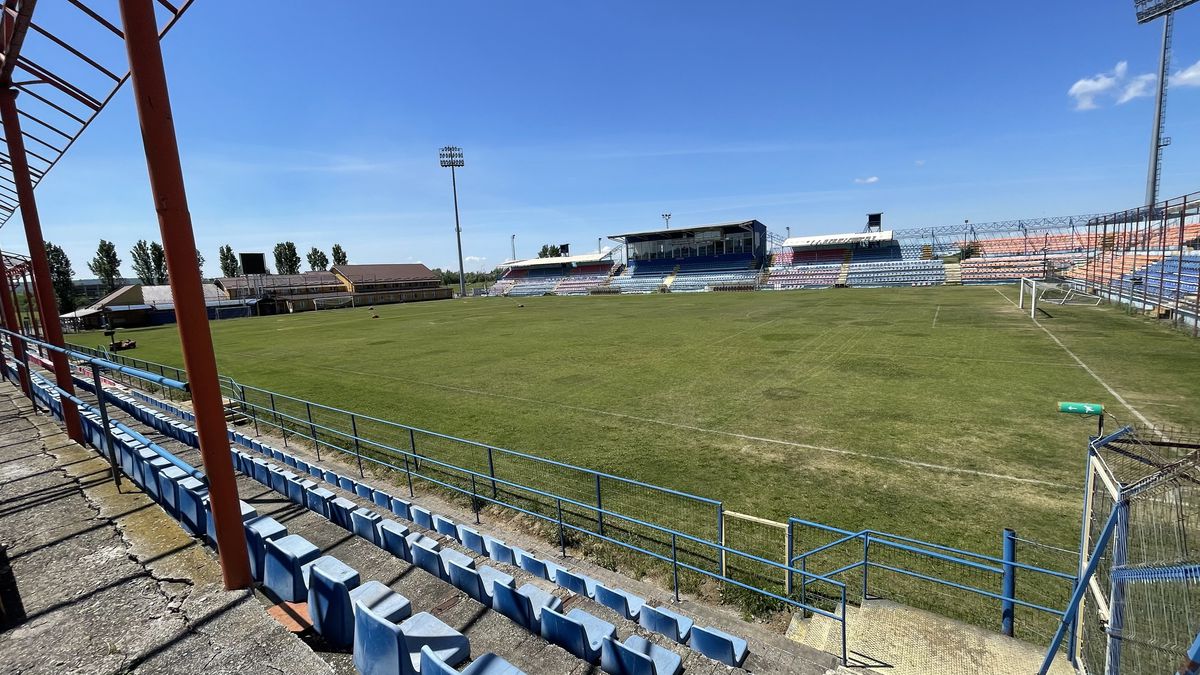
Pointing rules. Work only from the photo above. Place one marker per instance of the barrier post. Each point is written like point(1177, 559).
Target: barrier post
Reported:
point(106, 439)
point(313, 430)
point(721, 533)
point(1008, 584)
point(599, 508)
point(278, 420)
point(153, 105)
point(474, 500)
point(492, 471)
point(675, 566)
point(866, 565)
point(562, 539)
point(357, 449)
point(408, 472)
point(787, 590)
point(412, 447)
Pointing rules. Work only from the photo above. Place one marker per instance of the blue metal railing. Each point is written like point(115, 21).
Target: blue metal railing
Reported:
point(1002, 568)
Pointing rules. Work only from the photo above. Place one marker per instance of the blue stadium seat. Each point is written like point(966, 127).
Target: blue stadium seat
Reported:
point(719, 646)
point(329, 584)
point(638, 656)
point(382, 600)
point(382, 647)
point(339, 512)
point(346, 483)
point(443, 525)
point(382, 499)
point(499, 551)
point(319, 500)
point(535, 566)
point(331, 477)
point(449, 555)
point(421, 516)
point(283, 573)
point(363, 490)
point(664, 621)
point(401, 507)
point(365, 521)
point(392, 539)
point(425, 555)
point(580, 584)
point(471, 539)
point(623, 603)
point(248, 513)
point(192, 494)
point(488, 664)
point(259, 531)
point(578, 632)
point(297, 486)
point(523, 605)
point(477, 583)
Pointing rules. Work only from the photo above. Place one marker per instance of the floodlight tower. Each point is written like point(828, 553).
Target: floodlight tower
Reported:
point(667, 219)
point(452, 156)
point(1147, 11)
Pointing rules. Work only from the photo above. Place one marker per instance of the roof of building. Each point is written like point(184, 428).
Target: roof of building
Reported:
point(357, 274)
point(143, 297)
point(269, 281)
point(675, 230)
point(605, 256)
point(835, 239)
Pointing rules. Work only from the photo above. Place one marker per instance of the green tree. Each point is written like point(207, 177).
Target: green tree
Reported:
point(339, 255)
point(143, 259)
point(106, 265)
point(200, 262)
point(61, 275)
point(287, 260)
point(229, 261)
point(317, 260)
point(549, 251)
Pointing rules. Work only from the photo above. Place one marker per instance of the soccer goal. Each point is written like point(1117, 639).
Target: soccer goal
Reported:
point(333, 303)
point(1052, 292)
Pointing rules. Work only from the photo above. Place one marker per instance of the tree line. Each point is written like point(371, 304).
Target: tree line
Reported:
point(149, 262)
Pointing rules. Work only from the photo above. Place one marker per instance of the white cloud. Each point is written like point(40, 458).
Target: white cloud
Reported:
point(919, 162)
point(1188, 77)
point(1116, 84)
point(867, 181)
point(475, 259)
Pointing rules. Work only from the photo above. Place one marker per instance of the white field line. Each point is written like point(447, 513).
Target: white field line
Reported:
point(745, 330)
point(935, 315)
point(715, 432)
point(1024, 362)
point(1120, 399)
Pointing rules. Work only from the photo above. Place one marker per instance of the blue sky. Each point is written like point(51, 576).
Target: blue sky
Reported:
point(320, 123)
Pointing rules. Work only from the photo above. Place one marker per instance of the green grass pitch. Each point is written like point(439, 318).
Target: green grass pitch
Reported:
point(926, 412)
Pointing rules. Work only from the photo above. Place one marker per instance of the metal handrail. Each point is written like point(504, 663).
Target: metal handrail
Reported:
point(102, 363)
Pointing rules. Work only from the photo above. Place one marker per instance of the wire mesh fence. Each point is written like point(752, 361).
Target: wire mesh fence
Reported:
point(1143, 608)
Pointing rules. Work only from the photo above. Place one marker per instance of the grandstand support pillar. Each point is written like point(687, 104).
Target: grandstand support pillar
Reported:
point(175, 223)
point(35, 323)
point(47, 304)
point(8, 307)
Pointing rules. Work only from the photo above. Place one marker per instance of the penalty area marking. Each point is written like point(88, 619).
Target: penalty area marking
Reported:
point(935, 315)
point(717, 432)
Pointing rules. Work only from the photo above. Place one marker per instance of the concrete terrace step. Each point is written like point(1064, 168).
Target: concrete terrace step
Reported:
point(902, 640)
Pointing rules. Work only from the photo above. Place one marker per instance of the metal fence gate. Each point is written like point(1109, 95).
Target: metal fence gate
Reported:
point(1141, 610)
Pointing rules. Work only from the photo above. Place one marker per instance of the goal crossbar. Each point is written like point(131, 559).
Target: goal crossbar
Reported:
point(1039, 291)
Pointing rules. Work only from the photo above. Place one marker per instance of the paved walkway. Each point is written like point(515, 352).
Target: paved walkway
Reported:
point(108, 582)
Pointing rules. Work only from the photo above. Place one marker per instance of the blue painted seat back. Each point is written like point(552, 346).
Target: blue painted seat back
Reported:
point(619, 601)
point(617, 659)
point(329, 605)
point(468, 581)
point(497, 550)
point(471, 539)
point(515, 606)
point(576, 583)
point(718, 645)
point(426, 559)
point(377, 644)
point(666, 622)
point(566, 633)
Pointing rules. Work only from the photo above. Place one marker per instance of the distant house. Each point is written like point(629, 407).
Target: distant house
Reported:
point(136, 305)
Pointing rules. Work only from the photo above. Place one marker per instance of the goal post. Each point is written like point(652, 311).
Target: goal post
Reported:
point(1040, 292)
point(1031, 286)
point(333, 303)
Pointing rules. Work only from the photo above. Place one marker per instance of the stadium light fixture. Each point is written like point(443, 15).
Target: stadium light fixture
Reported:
point(452, 156)
point(667, 218)
point(1149, 10)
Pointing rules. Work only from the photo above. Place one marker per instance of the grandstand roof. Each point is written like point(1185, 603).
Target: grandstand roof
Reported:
point(834, 239)
point(748, 224)
point(143, 297)
point(319, 278)
point(382, 273)
point(563, 260)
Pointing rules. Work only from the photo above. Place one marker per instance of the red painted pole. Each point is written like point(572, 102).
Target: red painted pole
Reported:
point(34, 323)
point(9, 311)
point(175, 222)
point(37, 256)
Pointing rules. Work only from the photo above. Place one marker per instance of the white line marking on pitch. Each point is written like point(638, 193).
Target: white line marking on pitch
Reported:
point(717, 432)
point(746, 330)
point(1091, 372)
point(935, 315)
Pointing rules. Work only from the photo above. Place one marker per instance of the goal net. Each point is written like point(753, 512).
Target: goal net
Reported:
point(333, 303)
point(1035, 292)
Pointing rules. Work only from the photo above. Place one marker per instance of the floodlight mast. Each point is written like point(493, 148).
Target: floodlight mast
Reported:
point(452, 156)
point(667, 219)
